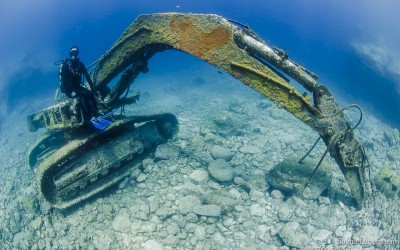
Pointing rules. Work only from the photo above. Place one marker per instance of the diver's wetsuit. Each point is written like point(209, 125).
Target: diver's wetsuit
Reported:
point(71, 71)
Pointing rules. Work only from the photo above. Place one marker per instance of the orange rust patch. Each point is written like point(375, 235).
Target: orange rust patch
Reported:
point(195, 41)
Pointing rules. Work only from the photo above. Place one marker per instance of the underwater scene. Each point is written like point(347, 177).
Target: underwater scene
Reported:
point(187, 124)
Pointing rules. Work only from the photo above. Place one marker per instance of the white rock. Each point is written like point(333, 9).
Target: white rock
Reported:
point(152, 245)
point(37, 223)
point(367, 233)
point(207, 210)
point(219, 239)
point(219, 152)
point(263, 233)
point(21, 240)
point(172, 229)
point(188, 188)
point(140, 210)
point(154, 203)
point(257, 210)
point(234, 193)
point(186, 204)
point(121, 222)
point(200, 232)
point(285, 213)
point(333, 217)
point(339, 231)
point(165, 212)
point(321, 234)
point(291, 236)
point(256, 195)
point(276, 194)
point(141, 178)
point(199, 176)
point(221, 170)
point(249, 149)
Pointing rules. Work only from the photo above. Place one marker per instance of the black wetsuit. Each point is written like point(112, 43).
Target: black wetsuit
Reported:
point(71, 71)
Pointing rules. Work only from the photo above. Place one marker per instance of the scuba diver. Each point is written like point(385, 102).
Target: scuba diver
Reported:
point(70, 75)
point(71, 71)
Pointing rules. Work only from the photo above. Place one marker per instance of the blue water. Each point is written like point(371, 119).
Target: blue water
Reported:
point(354, 46)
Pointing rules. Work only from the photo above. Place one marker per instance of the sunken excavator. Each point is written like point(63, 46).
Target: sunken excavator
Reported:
point(75, 162)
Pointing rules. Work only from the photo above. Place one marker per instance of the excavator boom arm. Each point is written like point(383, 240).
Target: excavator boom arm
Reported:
point(241, 53)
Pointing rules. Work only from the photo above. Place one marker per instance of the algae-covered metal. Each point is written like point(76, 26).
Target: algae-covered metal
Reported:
point(240, 52)
point(237, 50)
point(73, 166)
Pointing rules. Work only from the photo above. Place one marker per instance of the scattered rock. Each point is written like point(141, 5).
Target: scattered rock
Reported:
point(291, 177)
point(237, 106)
point(186, 204)
point(103, 240)
point(219, 152)
point(264, 104)
point(121, 222)
point(249, 149)
point(166, 152)
point(199, 176)
point(221, 170)
point(324, 200)
point(257, 210)
point(225, 124)
point(188, 188)
point(37, 223)
point(154, 203)
point(141, 178)
point(388, 182)
point(367, 233)
point(210, 138)
point(165, 212)
point(394, 154)
point(257, 181)
point(152, 245)
point(42, 244)
point(222, 199)
point(14, 225)
point(207, 210)
point(140, 210)
point(321, 235)
point(192, 218)
point(256, 195)
point(21, 240)
point(276, 114)
point(333, 216)
point(200, 232)
point(292, 235)
point(122, 184)
point(263, 233)
point(29, 204)
point(285, 213)
point(276, 194)
point(392, 136)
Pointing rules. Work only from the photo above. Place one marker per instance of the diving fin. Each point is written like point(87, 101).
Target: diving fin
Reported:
point(98, 124)
point(101, 122)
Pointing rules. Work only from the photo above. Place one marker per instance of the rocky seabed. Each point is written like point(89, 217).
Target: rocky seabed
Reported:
point(208, 188)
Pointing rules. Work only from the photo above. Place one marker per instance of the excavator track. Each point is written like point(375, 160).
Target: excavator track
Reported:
point(79, 168)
